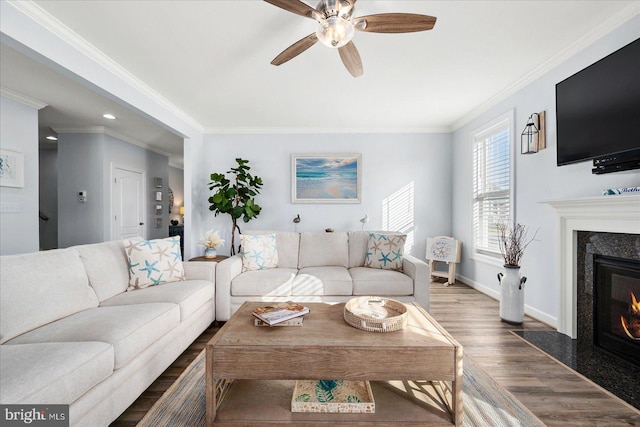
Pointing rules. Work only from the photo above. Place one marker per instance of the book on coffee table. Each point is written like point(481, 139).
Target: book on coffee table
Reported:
point(296, 321)
point(280, 312)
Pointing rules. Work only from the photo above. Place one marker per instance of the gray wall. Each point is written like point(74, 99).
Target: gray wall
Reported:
point(85, 162)
point(176, 183)
point(537, 179)
point(49, 197)
point(391, 163)
point(19, 132)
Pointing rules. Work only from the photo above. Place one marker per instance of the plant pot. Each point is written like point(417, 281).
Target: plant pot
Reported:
point(210, 253)
point(511, 295)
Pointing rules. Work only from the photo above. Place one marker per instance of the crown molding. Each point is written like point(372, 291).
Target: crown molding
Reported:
point(287, 130)
point(21, 98)
point(106, 131)
point(57, 28)
point(595, 34)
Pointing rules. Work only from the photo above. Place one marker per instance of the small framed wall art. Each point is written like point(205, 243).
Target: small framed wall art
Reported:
point(326, 178)
point(158, 196)
point(157, 182)
point(11, 168)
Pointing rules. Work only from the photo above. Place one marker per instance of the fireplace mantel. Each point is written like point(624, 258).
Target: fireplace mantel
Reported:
point(608, 214)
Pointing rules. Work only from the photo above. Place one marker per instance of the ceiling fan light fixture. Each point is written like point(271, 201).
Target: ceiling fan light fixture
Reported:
point(335, 32)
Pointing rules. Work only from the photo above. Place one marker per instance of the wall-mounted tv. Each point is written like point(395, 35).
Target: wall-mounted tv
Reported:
point(598, 110)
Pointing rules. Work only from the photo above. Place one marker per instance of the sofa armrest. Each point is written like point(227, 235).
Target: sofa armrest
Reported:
point(418, 270)
point(226, 271)
point(200, 270)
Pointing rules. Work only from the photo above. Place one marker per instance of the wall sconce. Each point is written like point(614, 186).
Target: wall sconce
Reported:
point(533, 139)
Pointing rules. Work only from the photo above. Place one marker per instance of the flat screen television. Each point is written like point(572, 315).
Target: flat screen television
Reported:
point(598, 110)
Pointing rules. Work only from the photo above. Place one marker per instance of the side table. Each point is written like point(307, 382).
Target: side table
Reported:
point(201, 258)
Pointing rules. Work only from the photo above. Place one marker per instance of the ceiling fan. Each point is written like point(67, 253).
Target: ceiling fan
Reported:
point(336, 27)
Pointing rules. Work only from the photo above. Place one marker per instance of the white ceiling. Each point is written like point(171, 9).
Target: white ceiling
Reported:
point(211, 60)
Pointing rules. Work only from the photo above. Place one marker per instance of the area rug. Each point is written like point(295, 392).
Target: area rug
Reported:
point(486, 403)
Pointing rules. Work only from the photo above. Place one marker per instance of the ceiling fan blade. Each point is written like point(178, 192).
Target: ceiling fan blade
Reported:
point(351, 59)
point(394, 23)
point(297, 7)
point(295, 49)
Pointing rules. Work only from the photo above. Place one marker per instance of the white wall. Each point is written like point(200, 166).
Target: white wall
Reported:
point(537, 179)
point(390, 162)
point(19, 132)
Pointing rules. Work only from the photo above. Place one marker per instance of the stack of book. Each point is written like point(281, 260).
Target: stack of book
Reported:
point(280, 314)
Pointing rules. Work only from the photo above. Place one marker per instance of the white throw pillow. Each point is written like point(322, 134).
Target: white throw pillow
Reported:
point(259, 251)
point(385, 251)
point(152, 262)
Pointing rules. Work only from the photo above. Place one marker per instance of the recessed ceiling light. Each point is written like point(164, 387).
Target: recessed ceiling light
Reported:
point(109, 116)
point(52, 138)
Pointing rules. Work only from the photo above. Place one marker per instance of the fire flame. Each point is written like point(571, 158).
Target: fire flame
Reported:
point(634, 309)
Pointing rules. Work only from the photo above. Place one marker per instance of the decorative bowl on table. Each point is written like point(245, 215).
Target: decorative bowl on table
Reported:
point(375, 314)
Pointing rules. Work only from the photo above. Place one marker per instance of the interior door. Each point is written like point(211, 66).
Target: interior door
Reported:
point(127, 204)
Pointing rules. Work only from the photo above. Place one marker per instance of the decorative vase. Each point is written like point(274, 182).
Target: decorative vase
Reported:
point(210, 253)
point(511, 295)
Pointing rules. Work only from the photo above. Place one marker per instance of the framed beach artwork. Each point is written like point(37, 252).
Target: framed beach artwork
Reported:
point(326, 178)
point(11, 169)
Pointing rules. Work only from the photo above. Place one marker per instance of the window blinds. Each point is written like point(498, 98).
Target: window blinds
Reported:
point(491, 192)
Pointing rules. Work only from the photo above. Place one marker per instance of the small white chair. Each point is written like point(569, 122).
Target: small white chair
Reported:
point(443, 249)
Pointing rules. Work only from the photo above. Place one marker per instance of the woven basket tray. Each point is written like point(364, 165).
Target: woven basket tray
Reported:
point(375, 314)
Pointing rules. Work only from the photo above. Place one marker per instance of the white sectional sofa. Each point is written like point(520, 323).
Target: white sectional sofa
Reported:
point(70, 333)
point(318, 267)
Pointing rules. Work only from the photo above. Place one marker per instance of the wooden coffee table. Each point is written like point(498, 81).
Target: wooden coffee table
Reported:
point(326, 347)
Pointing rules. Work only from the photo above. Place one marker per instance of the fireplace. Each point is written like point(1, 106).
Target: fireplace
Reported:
point(616, 308)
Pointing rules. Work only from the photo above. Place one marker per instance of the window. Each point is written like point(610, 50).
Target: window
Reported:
point(492, 182)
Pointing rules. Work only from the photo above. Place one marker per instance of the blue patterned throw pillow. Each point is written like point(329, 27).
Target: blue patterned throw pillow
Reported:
point(385, 251)
point(152, 262)
point(259, 251)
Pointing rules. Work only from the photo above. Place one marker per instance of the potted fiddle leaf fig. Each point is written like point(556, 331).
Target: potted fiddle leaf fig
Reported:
point(235, 196)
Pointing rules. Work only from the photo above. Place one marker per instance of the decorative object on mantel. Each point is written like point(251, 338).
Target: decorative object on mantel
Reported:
point(512, 242)
point(533, 138)
point(443, 249)
point(624, 190)
point(236, 196)
point(210, 242)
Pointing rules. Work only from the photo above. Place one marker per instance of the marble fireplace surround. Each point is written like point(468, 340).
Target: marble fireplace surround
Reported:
point(607, 214)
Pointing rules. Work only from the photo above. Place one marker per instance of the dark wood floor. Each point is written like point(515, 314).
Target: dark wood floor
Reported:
point(554, 393)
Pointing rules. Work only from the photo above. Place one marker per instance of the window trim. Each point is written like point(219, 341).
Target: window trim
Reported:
point(484, 130)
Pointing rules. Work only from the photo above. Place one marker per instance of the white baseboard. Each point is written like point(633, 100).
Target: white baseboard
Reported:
point(528, 310)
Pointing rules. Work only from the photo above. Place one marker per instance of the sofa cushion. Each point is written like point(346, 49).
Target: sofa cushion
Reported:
point(40, 288)
point(52, 373)
point(107, 267)
point(322, 281)
point(190, 295)
point(323, 249)
point(357, 247)
point(288, 244)
point(152, 262)
point(129, 328)
point(370, 281)
point(259, 251)
point(272, 282)
point(385, 251)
